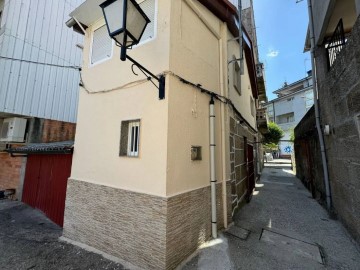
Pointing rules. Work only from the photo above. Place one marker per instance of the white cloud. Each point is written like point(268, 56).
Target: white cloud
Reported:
point(272, 53)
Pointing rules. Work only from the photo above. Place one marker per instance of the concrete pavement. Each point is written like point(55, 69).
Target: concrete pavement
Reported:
point(286, 229)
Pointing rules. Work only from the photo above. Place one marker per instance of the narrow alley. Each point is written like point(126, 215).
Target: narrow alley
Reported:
point(282, 228)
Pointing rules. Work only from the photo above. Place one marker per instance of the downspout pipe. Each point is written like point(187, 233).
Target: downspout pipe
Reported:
point(316, 106)
point(240, 39)
point(212, 169)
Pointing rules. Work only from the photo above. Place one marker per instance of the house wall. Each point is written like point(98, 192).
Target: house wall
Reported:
point(32, 89)
point(101, 113)
point(339, 96)
point(162, 192)
point(195, 56)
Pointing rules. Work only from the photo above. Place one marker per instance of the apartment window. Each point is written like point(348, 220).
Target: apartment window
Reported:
point(290, 99)
point(309, 99)
point(237, 74)
point(285, 118)
point(130, 138)
point(149, 7)
point(252, 104)
point(102, 45)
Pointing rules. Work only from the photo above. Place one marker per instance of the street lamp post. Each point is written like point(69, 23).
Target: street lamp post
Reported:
point(126, 23)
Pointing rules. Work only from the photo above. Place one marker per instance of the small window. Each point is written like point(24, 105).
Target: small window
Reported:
point(237, 74)
point(101, 48)
point(130, 138)
point(252, 104)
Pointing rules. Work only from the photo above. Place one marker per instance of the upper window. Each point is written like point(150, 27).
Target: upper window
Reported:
point(237, 74)
point(149, 7)
point(101, 48)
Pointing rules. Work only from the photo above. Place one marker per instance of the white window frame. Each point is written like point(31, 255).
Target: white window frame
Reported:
point(91, 49)
point(133, 141)
point(155, 25)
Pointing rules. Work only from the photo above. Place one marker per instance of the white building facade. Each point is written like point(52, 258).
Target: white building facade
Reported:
point(37, 53)
point(292, 103)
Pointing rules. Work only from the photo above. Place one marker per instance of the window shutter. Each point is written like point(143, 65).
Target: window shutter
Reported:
point(101, 46)
point(148, 6)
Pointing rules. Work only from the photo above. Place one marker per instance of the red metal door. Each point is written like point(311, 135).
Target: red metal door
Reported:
point(45, 184)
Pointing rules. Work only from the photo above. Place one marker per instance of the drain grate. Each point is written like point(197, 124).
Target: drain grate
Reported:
point(238, 232)
point(293, 245)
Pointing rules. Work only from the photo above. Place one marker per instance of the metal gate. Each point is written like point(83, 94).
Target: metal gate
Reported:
point(45, 184)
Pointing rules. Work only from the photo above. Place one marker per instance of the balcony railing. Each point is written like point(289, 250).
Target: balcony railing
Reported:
point(336, 43)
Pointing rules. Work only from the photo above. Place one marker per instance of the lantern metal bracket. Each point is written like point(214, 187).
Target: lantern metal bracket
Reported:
point(150, 75)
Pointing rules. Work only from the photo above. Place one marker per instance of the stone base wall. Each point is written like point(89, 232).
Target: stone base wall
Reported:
point(151, 232)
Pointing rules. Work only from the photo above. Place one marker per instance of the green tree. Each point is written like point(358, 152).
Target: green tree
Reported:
point(271, 139)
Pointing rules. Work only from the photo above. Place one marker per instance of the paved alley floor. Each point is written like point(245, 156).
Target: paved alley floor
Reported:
point(281, 228)
point(29, 240)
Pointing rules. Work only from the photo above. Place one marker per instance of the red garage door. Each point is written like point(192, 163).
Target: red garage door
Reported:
point(45, 184)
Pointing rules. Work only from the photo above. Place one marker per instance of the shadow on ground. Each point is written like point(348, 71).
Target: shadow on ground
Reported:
point(28, 240)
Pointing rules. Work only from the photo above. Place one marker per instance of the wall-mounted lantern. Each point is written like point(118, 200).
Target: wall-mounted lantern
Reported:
point(126, 23)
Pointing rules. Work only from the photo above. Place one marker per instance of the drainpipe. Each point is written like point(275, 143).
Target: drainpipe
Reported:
point(222, 58)
point(240, 39)
point(316, 106)
point(212, 169)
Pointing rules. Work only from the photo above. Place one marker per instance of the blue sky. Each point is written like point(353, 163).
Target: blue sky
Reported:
point(281, 30)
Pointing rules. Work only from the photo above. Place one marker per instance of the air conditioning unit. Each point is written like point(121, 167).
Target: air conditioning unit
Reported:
point(13, 130)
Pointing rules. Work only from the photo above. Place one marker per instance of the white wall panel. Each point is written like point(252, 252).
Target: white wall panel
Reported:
point(35, 30)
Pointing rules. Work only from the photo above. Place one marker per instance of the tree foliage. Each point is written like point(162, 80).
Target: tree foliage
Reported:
point(275, 134)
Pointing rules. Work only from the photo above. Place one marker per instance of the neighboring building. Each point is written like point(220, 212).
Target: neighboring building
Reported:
point(39, 78)
point(337, 52)
point(292, 103)
point(140, 181)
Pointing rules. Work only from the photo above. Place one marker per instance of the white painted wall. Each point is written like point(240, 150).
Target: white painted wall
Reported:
point(36, 31)
point(296, 105)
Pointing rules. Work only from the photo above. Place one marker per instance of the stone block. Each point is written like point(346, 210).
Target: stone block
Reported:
point(353, 100)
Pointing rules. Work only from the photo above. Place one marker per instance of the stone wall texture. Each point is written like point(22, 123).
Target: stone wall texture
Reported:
point(239, 136)
point(339, 96)
point(148, 231)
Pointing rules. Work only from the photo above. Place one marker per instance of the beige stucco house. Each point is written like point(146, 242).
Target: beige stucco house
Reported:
point(137, 190)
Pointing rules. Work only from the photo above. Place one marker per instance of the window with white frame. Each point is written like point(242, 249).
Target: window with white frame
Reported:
point(236, 75)
point(252, 104)
point(149, 7)
point(130, 138)
point(102, 45)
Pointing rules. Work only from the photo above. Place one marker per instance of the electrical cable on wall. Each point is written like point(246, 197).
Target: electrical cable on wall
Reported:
point(199, 87)
point(40, 63)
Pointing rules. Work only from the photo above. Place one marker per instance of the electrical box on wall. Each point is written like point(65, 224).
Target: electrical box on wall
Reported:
point(13, 130)
point(196, 153)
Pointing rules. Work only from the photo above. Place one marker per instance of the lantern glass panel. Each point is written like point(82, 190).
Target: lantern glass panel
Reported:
point(120, 39)
point(114, 16)
point(135, 21)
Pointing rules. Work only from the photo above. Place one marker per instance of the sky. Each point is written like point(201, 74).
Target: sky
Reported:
point(281, 27)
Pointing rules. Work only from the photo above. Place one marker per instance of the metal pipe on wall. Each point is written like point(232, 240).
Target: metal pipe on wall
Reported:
point(316, 106)
point(212, 169)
